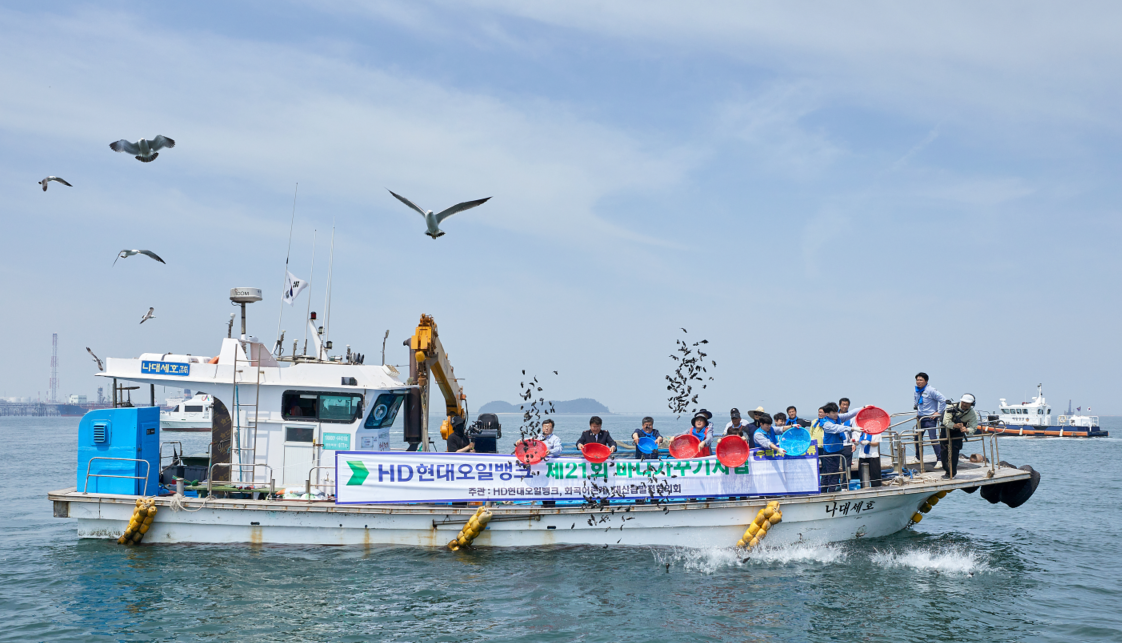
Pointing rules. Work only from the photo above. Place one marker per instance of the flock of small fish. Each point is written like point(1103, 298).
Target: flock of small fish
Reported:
point(690, 368)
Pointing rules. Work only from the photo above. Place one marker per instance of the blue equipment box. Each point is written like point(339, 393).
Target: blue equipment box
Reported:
point(132, 435)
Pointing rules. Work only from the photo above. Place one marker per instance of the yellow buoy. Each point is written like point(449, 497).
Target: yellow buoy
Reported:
point(754, 542)
point(916, 517)
point(942, 494)
point(925, 508)
point(933, 500)
point(767, 512)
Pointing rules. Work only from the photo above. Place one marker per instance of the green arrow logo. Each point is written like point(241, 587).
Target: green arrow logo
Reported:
point(358, 472)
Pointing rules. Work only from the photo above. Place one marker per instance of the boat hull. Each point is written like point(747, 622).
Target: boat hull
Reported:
point(867, 513)
point(1031, 431)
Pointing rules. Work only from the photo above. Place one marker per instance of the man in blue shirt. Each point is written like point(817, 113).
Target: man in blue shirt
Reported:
point(835, 435)
point(929, 406)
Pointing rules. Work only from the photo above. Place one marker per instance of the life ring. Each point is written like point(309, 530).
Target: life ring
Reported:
point(213, 360)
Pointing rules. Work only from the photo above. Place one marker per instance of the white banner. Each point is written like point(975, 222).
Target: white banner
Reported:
point(292, 287)
point(363, 477)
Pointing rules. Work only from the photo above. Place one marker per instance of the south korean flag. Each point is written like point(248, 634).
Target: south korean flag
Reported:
point(292, 287)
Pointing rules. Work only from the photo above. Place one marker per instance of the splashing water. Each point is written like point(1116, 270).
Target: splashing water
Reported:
point(951, 559)
point(712, 559)
point(705, 560)
point(797, 553)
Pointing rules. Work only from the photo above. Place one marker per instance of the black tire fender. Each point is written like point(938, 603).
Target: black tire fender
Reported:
point(991, 493)
point(1015, 494)
point(970, 489)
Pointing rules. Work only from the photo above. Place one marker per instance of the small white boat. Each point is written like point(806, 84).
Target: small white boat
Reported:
point(192, 414)
point(1034, 419)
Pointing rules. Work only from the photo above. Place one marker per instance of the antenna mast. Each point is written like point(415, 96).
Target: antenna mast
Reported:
point(286, 256)
point(327, 296)
point(308, 314)
point(54, 369)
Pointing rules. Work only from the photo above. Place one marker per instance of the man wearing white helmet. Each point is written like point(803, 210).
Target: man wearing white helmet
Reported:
point(959, 421)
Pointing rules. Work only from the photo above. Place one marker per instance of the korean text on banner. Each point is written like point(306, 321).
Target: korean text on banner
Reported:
point(364, 477)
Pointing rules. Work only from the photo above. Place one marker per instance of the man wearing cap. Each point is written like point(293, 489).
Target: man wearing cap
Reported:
point(737, 426)
point(648, 431)
point(596, 434)
point(959, 421)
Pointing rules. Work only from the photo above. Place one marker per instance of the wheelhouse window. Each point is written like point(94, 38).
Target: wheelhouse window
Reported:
point(322, 407)
point(384, 410)
point(340, 408)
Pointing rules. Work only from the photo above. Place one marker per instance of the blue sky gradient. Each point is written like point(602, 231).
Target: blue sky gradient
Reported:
point(836, 196)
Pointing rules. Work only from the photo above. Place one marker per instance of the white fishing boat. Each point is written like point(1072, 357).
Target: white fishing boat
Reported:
point(300, 453)
point(1034, 419)
point(188, 414)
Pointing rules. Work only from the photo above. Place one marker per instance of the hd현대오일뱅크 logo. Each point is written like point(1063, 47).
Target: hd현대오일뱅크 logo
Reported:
point(178, 369)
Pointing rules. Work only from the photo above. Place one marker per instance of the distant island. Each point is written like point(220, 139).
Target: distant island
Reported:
point(579, 405)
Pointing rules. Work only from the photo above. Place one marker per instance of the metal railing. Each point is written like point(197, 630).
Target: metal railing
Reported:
point(308, 481)
point(210, 476)
point(916, 438)
point(172, 442)
point(147, 470)
point(836, 476)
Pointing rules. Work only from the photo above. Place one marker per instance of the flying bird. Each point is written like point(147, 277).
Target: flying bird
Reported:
point(148, 315)
point(53, 178)
point(100, 366)
point(128, 253)
point(144, 150)
point(433, 221)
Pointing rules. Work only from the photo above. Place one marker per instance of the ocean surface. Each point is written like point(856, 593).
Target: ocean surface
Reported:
point(1050, 570)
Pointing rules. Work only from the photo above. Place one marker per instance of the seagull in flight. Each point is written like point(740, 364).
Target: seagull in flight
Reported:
point(128, 253)
point(144, 150)
point(100, 366)
point(433, 221)
point(53, 178)
point(148, 315)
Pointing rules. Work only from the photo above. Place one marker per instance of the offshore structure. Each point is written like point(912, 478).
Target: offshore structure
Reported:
point(52, 387)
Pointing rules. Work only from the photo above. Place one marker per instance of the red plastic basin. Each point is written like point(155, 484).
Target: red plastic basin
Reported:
point(685, 446)
point(732, 451)
point(872, 420)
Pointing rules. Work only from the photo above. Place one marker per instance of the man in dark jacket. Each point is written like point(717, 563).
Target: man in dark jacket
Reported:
point(458, 442)
point(595, 433)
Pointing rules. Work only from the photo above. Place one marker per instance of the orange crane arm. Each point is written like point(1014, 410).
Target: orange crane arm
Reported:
point(429, 356)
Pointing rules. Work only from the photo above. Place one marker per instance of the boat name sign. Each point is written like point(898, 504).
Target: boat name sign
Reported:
point(365, 477)
point(165, 368)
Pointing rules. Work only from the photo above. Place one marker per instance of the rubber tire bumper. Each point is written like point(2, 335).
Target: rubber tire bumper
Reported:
point(1015, 494)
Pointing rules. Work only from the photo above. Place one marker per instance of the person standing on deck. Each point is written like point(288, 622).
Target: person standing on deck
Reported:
point(847, 452)
point(793, 418)
point(868, 451)
point(737, 426)
point(834, 436)
point(551, 440)
point(703, 431)
point(648, 431)
point(765, 437)
point(959, 421)
point(929, 406)
point(458, 442)
point(596, 434)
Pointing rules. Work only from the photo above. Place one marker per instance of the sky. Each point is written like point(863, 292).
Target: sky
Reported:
point(835, 196)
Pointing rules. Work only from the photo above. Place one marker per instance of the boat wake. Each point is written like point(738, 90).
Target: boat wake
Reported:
point(713, 559)
point(953, 559)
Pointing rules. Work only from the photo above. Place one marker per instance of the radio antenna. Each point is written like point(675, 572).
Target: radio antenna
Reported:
point(286, 257)
point(308, 314)
point(327, 296)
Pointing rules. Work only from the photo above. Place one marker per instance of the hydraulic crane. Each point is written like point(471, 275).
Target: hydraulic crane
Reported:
point(429, 361)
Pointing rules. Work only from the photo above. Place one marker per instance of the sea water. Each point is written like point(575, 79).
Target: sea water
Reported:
point(1050, 570)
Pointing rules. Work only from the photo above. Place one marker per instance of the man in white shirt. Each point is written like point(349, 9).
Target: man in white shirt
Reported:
point(551, 440)
point(740, 425)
